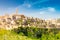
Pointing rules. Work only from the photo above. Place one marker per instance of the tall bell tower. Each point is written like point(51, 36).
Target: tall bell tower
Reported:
point(16, 10)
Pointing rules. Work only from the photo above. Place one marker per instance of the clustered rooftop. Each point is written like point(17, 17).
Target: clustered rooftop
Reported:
point(16, 20)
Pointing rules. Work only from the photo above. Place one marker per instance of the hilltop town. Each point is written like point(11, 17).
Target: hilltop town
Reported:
point(16, 20)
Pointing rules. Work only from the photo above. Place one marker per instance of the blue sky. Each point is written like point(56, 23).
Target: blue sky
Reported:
point(45, 9)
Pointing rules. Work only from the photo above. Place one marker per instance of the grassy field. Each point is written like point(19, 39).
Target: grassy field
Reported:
point(11, 35)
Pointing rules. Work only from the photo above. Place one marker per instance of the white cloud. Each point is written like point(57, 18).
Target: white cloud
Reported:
point(24, 6)
point(42, 12)
point(39, 1)
point(28, 5)
point(50, 12)
point(51, 9)
point(47, 10)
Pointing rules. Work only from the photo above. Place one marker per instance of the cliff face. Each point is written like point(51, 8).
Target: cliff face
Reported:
point(14, 21)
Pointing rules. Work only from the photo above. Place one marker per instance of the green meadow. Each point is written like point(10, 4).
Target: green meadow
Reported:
point(30, 33)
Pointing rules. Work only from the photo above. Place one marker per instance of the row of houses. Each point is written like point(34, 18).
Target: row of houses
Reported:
point(16, 20)
point(8, 21)
point(13, 21)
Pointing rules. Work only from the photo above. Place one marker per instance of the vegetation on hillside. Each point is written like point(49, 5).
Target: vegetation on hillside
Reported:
point(30, 33)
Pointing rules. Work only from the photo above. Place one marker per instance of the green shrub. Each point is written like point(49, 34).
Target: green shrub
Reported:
point(41, 33)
